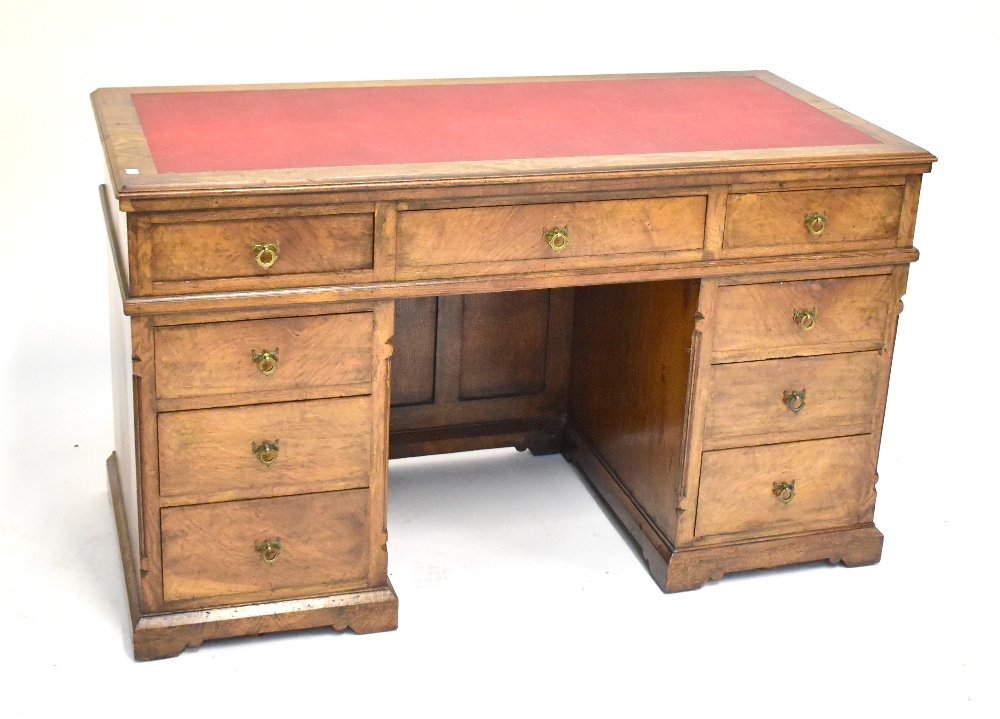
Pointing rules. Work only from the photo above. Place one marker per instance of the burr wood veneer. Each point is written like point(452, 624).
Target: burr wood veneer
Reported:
point(687, 284)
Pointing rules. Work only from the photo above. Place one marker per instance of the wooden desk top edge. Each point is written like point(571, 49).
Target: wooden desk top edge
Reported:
point(125, 147)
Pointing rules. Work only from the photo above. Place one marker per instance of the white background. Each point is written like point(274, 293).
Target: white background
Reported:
point(517, 594)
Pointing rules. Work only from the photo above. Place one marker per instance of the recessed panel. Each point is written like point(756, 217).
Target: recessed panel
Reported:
point(504, 336)
point(413, 353)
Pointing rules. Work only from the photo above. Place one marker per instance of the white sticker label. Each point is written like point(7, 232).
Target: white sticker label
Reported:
point(131, 171)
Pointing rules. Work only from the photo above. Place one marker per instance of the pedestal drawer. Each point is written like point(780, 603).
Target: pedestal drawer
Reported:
point(264, 450)
point(774, 400)
point(781, 488)
point(260, 247)
point(478, 240)
point(815, 218)
point(264, 546)
point(222, 358)
point(805, 317)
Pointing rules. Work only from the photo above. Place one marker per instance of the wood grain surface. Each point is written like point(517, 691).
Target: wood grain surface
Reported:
point(207, 455)
point(209, 549)
point(629, 385)
point(215, 358)
point(363, 611)
point(123, 383)
point(378, 487)
point(504, 341)
point(414, 356)
point(773, 219)
point(498, 234)
point(758, 322)
point(746, 404)
point(222, 248)
point(830, 476)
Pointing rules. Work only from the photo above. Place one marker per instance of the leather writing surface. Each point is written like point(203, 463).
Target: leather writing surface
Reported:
point(232, 130)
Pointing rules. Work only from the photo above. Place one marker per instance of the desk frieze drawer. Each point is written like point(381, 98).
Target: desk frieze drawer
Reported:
point(264, 450)
point(797, 398)
point(204, 255)
point(812, 220)
point(265, 548)
point(483, 240)
point(252, 361)
point(807, 317)
point(782, 488)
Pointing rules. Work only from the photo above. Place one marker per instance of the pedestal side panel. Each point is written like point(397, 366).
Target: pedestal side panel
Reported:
point(628, 391)
point(124, 408)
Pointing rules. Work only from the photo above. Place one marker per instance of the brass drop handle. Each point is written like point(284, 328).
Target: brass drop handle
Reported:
point(795, 400)
point(806, 319)
point(785, 491)
point(268, 549)
point(265, 360)
point(816, 223)
point(557, 237)
point(266, 253)
point(266, 452)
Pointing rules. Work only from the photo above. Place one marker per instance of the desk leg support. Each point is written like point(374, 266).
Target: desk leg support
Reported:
point(855, 546)
point(683, 569)
point(159, 636)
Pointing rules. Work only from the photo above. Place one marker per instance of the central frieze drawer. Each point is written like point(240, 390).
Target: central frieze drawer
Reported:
point(833, 394)
point(265, 450)
point(221, 358)
point(264, 546)
point(516, 233)
point(784, 487)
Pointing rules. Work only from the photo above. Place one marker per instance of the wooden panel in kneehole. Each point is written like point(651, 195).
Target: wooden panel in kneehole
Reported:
point(504, 340)
point(413, 355)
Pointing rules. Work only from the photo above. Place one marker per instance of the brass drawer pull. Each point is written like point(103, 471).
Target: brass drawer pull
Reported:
point(795, 400)
point(268, 549)
point(557, 237)
point(266, 361)
point(806, 319)
point(785, 491)
point(265, 253)
point(816, 223)
point(266, 452)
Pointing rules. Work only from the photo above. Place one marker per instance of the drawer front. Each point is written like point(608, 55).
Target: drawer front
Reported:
point(749, 399)
point(215, 550)
point(229, 248)
point(824, 482)
point(218, 358)
point(265, 450)
point(788, 318)
point(499, 234)
point(775, 219)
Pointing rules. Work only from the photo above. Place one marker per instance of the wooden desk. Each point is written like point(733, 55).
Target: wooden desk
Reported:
point(687, 284)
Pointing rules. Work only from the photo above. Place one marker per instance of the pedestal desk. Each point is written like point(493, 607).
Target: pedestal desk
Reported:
point(687, 284)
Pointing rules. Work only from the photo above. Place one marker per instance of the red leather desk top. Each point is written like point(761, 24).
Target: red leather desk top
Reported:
point(236, 130)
